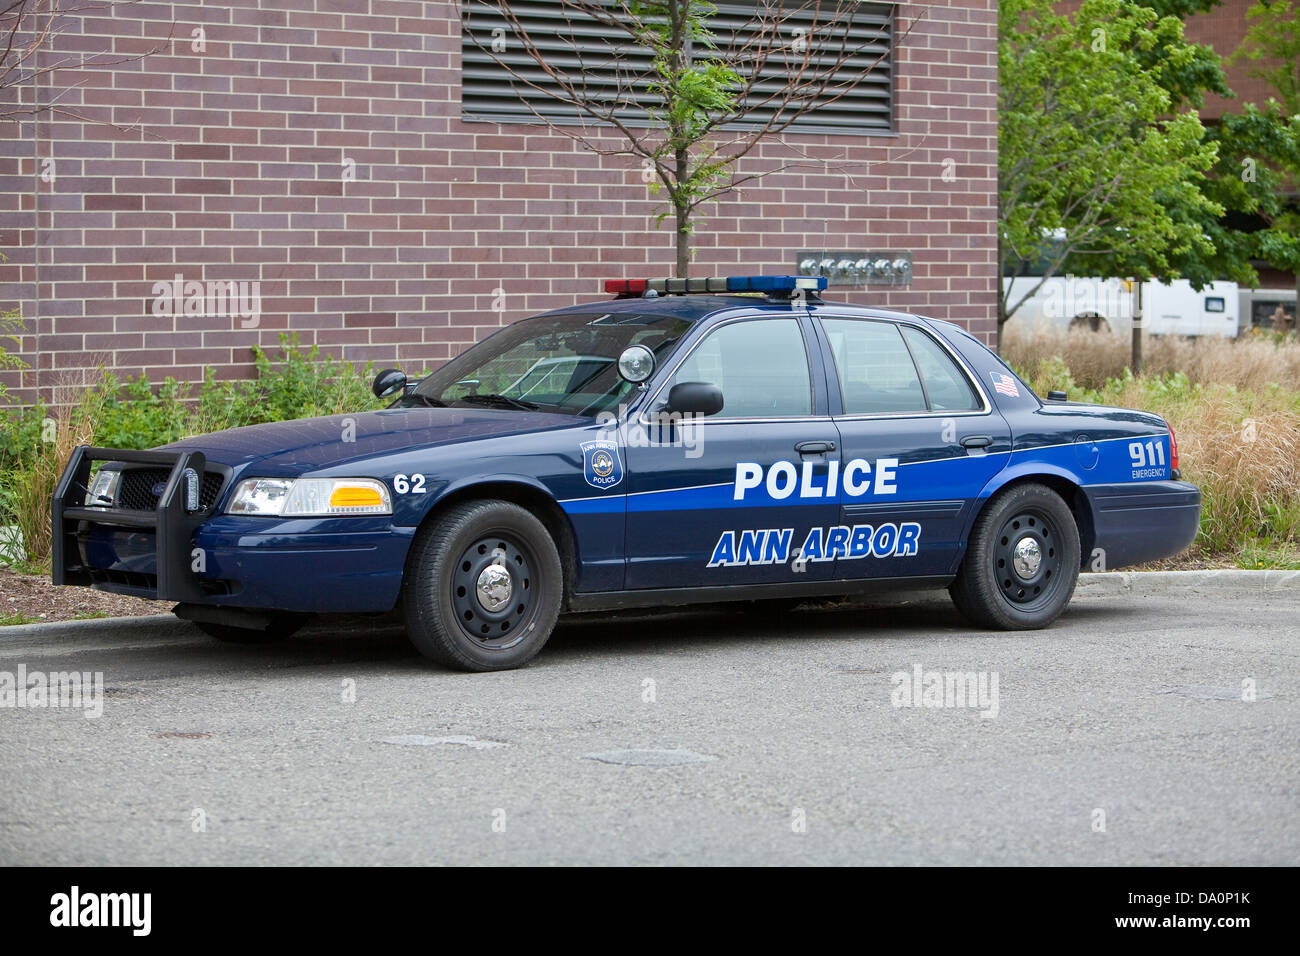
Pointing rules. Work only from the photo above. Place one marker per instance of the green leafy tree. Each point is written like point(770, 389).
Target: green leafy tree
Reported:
point(1102, 159)
point(1266, 141)
point(684, 102)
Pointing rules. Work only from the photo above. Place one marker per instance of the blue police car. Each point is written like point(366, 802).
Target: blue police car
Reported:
point(686, 441)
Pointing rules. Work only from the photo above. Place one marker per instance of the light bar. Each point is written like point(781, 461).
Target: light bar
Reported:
point(769, 284)
point(625, 286)
point(687, 286)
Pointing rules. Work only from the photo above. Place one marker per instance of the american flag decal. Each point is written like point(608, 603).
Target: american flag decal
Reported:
point(1005, 384)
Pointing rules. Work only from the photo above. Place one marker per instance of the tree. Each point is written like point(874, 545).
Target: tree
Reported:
point(28, 28)
point(681, 100)
point(1101, 167)
point(1267, 141)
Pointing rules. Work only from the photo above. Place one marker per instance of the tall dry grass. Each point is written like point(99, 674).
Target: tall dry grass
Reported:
point(1234, 405)
point(1093, 357)
point(73, 416)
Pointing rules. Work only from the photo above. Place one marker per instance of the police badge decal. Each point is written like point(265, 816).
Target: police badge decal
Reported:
point(601, 465)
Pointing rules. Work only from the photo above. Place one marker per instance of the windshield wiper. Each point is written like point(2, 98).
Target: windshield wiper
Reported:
point(501, 401)
point(431, 402)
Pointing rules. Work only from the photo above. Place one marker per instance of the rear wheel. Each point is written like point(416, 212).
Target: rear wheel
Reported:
point(1022, 561)
point(483, 587)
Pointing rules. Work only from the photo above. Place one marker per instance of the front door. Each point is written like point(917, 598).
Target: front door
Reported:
point(730, 499)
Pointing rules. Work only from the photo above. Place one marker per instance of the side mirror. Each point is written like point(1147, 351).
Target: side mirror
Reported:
point(694, 398)
point(388, 382)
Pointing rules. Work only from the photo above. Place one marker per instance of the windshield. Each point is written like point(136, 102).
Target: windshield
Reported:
point(559, 363)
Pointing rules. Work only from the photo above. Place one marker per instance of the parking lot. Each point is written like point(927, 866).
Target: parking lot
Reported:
point(1156, 727)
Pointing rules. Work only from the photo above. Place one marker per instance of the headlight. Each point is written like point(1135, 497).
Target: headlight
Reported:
point(308, 497)
point(103, 490)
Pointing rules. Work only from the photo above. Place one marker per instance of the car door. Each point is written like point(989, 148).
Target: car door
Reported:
point(919, 440)
point(729, 499)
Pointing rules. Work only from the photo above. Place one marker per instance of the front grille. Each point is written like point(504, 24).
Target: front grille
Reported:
point(136, 491)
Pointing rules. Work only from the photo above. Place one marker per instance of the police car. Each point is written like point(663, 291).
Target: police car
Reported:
point(685, 441)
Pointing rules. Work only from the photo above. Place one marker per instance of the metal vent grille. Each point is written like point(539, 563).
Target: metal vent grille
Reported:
point(136, 492)
point(617, 72)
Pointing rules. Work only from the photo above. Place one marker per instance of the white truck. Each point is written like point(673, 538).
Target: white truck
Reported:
point(1168, 308)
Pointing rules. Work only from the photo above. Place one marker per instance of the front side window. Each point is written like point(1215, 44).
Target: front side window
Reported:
point(761, 365)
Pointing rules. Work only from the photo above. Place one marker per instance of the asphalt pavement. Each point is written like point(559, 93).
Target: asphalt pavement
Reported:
point(1151, 725)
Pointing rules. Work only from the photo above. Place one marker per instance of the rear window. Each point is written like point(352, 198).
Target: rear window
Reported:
point(946, 385)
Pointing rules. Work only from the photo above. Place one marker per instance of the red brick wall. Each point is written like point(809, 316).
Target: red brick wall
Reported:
point(228, 165)
point(1222, 30)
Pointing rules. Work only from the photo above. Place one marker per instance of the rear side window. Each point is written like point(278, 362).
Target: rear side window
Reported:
point(761, 365)
point(877, 375)
point(945, 384)
point(885, 369)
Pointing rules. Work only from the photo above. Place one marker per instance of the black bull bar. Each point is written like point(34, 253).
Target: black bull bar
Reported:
point(173, 526)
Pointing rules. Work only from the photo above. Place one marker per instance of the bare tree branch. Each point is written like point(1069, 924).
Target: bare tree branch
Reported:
point(623, 67)
point(30, 27)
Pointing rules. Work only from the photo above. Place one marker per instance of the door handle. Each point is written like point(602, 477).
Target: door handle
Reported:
point(977, 441)
point(814, 447)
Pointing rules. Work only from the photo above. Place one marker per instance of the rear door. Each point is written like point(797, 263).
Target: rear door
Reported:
point(919, 440)
point(729, 499)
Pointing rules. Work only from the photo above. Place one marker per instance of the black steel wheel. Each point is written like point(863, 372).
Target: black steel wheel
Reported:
point(1028, 559)
point(1022, 560)
point(492, 590)
point(483, 587)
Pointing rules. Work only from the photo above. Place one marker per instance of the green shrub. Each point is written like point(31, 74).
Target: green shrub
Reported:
point(35, 442)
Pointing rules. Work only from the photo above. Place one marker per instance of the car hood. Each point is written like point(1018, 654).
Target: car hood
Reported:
point(308, 444)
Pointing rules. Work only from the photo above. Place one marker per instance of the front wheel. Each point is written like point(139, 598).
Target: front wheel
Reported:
point(483, 587)
point(1022, 561)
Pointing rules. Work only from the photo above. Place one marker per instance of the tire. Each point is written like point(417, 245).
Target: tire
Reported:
point(991, 589)
point(1091, 321)
point(445, 593)
point(282, 627)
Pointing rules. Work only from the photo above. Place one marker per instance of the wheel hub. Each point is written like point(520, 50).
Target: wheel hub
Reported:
point(1026, 558)
point(493, 591)
point(495, 588)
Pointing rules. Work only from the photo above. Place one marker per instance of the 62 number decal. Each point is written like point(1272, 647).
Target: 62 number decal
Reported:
point(408, 484)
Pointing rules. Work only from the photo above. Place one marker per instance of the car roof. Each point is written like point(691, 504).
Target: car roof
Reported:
point(693, 308)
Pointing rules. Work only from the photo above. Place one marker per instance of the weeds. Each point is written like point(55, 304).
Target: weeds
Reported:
point(1235, 407)
point(36, 442)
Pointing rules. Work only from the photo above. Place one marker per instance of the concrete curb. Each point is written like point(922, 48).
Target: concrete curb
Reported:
point(149, 622)
point(1120, 582)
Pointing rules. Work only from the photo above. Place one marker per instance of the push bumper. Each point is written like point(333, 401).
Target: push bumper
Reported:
point(341, 564)
point(169, 527)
